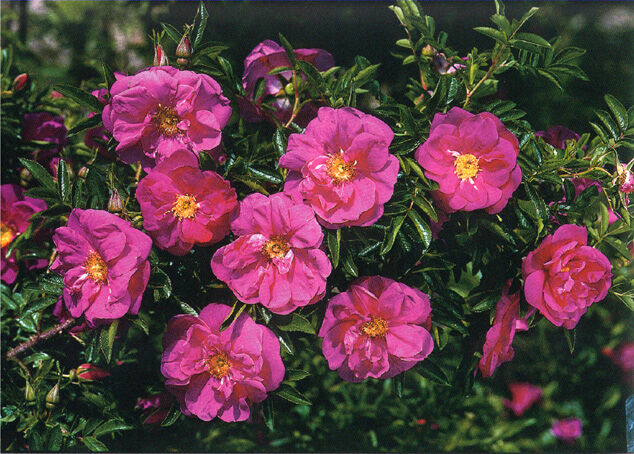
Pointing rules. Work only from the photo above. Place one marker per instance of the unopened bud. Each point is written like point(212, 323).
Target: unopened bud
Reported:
point(429, 51)
point(20, 82)
point(160, 57)
point(89, 372)
point(289, 89)
point(52, 398)
point(115, 204)
point(29, 393)
point(82, 172)
point(25, 177)
point(184, 48)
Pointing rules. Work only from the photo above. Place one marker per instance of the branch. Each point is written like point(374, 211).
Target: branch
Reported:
point(14, 352)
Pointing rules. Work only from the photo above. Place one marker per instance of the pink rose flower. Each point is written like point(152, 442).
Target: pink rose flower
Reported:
point(276, 260)
point(341, 167)
point(567, 430)
point(498, 346)
point(156, 407)
point(377, 328)
point(161, 110)
point(524, 396)
point(103, 260)
point(219, 374)
point(99, 132)
point(473, 158)
point(265, 57)
point(183, 206)
point(45, 127)
point(564, 276)
point(557, 136)
point(15, 209)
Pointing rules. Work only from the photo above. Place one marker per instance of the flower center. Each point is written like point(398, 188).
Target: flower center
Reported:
point(218, 365)
point(96, 268)
point(466, 166)
point(375, 327)
point(6, 235)
point(166, 120)
point(185, 207)
point(339, 170)
point(277, 246)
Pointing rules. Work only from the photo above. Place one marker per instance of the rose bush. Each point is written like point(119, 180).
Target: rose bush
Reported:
point(332, 278)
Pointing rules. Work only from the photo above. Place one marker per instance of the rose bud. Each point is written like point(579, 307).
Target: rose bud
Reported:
point(20, 82)
point(115, 204)
point(29, 393)
point(83, 172)
point(52, 398)
point(89, 372)
point(160, 57)
point(184, 51)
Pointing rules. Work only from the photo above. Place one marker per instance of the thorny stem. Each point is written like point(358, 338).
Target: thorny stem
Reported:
point(37, 338)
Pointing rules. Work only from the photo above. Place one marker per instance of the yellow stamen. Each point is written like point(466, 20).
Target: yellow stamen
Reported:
point(277, 246)
point(6, 235)
point(218, 365)
point(166, 120)
point(185, 207)
point(375, 327)
point(96, 268)
point(339, 170)
point(466, 166)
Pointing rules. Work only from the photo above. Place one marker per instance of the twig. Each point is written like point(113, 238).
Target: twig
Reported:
point(40, 337)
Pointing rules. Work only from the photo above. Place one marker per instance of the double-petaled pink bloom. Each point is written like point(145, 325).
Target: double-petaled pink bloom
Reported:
point(474, 160)
point(276, 260)
point(160, 110)
point(16, 209)
point(341, 167)
point(524, 396)
point(564, 276)
point(220, 374)
point(265, 57)
point(103, 260)
point(183, 206)
point(377, 328)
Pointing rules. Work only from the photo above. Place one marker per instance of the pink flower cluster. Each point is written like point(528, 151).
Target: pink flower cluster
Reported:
point(276, 259)
point(219, 374)
point(474, 160)
point(564, 276)
point(265, 57)
point(103, 260)
point(160, 110)
point(183, 206)
point(341, 167)
point(16, 209)
point(377, 328)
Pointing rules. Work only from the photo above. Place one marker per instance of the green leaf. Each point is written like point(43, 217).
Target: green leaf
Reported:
point(279, 142)
point(423, 229)
point(530, 13)
point(114, 425)
point(268, 415)
point(40, 174)
point(288, 48)
point(533, 39)
point(404, 43)
point(538, 203)
point(296, 374)
point(333, 246)
point(52, 284)
point(292, 395)
point(570, 339)
point(391, 234)
point(172, 416)
point(200, 31)
point(349, 265)
point(108, 75)
point(492, 33)
point(609, 124)
point(266, 175)
point(186, 308)
point(604, 219)
point(236, 310)
point(63, 185)
point(618, 110)
point(297, 323)
point(106, 339)
point(172, 32)
point(93, 444)
point(81, 97)
point(86, 123)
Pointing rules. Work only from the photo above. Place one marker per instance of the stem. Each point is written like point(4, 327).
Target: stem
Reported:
point(37, 338)
point(420, 68)
point(296, 102)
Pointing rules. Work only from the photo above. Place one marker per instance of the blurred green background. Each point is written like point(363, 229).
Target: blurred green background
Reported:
point(65, 41)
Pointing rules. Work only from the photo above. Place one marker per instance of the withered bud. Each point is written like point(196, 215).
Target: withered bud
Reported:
point(160, 57)
point(115, 204)
point(20, 82)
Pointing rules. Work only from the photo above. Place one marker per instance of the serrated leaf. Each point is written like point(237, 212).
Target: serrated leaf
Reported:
point(422, 227)
point(40, 174)
point(186, 308)
point(571, 339)
point(200, 31)
point(609, 124)
point(172, 416)
point(297, 323)
point(81, 97)
point(86, 123)
point(268, 415)
point(349, 266)
point(292, 395)
point(290, 53)
point(63, 184)
point(236, 310)
point(334, 241)
point(491, 33)
point(618, 110)
point(93, 444)
point(279, 142)
point(106, 339)
point(391, 234)
point(296, 374)
point(114, 425)
point(172, 32)
point(266, 175)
